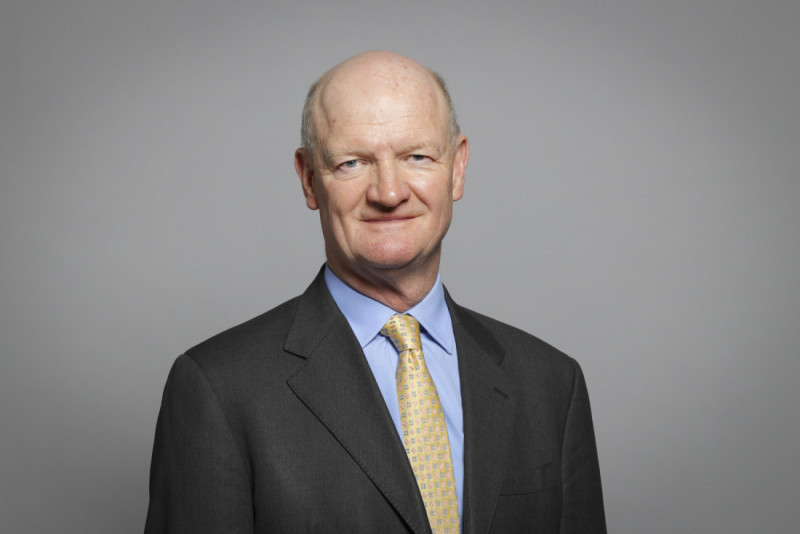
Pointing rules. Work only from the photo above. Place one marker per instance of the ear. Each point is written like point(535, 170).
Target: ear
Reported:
point(305, 171)
point(460, 166)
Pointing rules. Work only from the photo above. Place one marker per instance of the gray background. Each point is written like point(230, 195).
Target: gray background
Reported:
point(631, 198)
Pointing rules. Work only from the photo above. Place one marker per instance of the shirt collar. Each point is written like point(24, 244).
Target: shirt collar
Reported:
point(367, 316)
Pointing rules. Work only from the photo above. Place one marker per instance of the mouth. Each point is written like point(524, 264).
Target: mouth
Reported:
point(388, 219)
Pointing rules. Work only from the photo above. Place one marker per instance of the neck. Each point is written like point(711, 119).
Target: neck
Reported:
point(399, 289)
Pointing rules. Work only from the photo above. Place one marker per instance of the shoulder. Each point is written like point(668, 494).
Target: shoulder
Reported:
point(260, 331)
point(519, 350)
point(236, 353)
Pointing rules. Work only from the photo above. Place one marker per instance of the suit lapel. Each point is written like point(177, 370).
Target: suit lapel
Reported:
point(337, 385)
point(488, 405)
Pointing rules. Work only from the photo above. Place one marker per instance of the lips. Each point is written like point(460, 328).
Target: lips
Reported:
point(389, 219)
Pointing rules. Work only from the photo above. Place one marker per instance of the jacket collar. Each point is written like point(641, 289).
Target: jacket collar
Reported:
point(337, 385)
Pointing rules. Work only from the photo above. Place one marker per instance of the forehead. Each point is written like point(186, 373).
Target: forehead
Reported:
point(380, 99)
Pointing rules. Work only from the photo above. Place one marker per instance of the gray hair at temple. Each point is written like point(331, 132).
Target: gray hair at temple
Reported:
point(308, 134)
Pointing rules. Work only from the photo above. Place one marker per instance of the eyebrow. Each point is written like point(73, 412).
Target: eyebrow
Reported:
point(326, 156)
point(425, 143)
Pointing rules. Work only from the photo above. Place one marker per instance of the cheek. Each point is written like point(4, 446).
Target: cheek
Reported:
point(343, 197)
point(438, 196)
point(338, 209)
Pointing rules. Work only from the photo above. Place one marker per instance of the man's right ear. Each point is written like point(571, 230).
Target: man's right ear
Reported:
point(305, 171)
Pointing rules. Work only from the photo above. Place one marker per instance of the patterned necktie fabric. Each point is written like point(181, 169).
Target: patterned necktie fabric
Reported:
point(424, 430)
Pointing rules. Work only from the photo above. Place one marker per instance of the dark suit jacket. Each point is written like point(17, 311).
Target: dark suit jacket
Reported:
point(277, 425)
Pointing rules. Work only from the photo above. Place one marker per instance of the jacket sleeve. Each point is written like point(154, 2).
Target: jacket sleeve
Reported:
point(199, 482)
point(582, 497)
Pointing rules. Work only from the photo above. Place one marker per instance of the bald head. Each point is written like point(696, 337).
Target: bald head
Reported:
point(372, 77)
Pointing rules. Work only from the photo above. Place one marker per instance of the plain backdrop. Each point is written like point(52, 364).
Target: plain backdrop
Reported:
point(632, 198)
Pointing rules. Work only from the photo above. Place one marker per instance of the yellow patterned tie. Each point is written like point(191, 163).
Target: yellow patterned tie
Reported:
point(424, 430)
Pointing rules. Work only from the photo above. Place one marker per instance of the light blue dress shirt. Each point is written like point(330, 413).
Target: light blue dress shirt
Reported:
point(367, 316)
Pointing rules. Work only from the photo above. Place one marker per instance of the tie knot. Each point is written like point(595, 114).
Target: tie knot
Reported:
point(403, 330)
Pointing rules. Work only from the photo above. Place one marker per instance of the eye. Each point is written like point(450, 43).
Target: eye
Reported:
point(350, 164)
point(418, 157)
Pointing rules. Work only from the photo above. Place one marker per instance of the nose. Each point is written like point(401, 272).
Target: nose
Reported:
point(388, 187)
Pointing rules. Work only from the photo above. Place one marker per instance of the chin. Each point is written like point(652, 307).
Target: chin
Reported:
point(388, 263)
point(399, 257)
point(389, 258)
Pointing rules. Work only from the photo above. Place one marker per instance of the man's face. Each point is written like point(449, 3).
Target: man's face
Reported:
point(385, 174)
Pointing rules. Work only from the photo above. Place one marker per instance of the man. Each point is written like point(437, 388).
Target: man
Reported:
point(373, 402)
